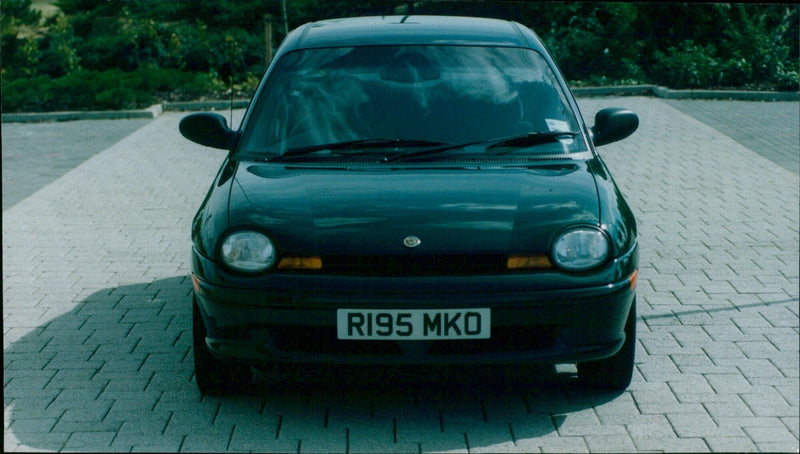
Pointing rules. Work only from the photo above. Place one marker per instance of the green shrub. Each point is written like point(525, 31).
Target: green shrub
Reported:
point(111, 89)
point(688, 65)
point(691, 65)
point(104, 54)
point(24, 94)
point(59, 56)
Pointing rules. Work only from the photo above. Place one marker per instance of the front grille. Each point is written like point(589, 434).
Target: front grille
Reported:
point(324, 341)
point(504, 340)
point(413, 265)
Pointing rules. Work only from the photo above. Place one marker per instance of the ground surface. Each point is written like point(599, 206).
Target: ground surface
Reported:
point(96, 309)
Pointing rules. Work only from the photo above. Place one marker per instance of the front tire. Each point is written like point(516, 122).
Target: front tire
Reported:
point(212, 375)
point(613, 373)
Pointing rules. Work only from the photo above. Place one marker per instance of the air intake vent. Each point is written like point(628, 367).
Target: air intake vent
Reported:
point(414, 265)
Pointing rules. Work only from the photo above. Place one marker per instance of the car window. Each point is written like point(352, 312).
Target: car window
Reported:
point(448, 94)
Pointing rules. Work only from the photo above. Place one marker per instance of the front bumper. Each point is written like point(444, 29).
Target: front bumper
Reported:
point(292, 317)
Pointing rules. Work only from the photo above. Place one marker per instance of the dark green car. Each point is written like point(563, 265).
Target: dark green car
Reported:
point(413, 190)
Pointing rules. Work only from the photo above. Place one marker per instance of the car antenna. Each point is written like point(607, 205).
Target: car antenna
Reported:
point(226, 74)
point(233, 55)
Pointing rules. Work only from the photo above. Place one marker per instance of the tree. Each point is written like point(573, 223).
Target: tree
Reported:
point(16, 12)
point(21, 53)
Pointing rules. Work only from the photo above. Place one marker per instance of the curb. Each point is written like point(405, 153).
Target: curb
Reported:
point(151, 112)
point(666, 93)
point(205, 105)
point(620, 90)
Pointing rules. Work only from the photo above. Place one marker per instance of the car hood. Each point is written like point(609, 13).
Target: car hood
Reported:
point(321, 211)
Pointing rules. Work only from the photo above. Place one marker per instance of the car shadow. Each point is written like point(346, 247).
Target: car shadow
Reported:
point(116, 373)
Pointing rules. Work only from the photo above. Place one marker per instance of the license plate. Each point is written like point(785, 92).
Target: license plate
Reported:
point(418, 324)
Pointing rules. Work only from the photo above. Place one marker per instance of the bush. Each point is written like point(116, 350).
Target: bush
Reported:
point(691, 65)
point(123, 54)
point(688, 65)
point(111, 89)
point(585, 38)
point(24, 94)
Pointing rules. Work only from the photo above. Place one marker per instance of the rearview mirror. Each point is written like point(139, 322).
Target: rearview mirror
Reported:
point(613, 124)
point(209, 129)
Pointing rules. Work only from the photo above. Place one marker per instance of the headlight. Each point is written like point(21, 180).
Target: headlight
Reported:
point(248, 251)
point(580, 249)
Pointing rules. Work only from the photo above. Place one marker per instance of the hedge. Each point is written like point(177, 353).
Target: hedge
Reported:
point(110, 89)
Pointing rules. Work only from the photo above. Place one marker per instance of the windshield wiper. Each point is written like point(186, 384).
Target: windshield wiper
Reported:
point(524, 140)
point(357, 145)
point(530, 139)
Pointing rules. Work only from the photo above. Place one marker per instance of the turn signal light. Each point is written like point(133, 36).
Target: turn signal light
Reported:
point(300, 263)
point(528, 262)
point(634, 277)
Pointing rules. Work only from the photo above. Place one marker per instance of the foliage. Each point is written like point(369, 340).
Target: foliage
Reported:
point(760, 51)
point(116, 47)
point(19, 46)
point(111, 89)
point(688, 65)
point(16, 12)
point(58, 50)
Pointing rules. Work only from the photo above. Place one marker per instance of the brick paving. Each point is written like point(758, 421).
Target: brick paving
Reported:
point(36, 154)
point(97, 341)
point(771, 129)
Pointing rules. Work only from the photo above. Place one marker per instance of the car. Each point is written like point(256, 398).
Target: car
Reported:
point(413, 190)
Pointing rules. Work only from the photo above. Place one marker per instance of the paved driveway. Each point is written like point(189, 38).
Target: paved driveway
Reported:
point(97, 344)
point(36, 154)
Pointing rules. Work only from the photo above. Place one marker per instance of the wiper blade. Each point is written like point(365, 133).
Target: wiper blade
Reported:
point(434, 150)
point(523, 140)
point(356, 145)
point(530, 139)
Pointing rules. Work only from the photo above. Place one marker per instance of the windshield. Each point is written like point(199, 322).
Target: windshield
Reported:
point(395, 95)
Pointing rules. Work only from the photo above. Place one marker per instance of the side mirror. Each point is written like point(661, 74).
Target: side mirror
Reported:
point(613, 124)
point(209, 129)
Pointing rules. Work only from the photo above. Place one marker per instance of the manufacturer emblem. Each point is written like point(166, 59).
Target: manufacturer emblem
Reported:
point(411, 241)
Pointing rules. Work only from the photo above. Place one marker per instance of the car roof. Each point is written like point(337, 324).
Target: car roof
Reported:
point(411, 30)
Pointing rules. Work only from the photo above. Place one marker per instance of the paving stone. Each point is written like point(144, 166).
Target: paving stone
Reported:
point(692, 384)
point(138, 443)
point(679, 445)
point(585, 423)
point(731, 444)
point(97, 346)
point(699, 425)
point(491, 437)
point(260, 435)
point(653, 393)
point(776, 447)
point(767, 401)
point(368, 438)
point(552, 444)
point(89, 440)
point(792, 423)
point(729, 383)
point(666, 408)
point(455, 443)
point(87, 426)
point(778, 435)
point(211, 441)
point(46, 441)
point(36, 426)
point(610, 443)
